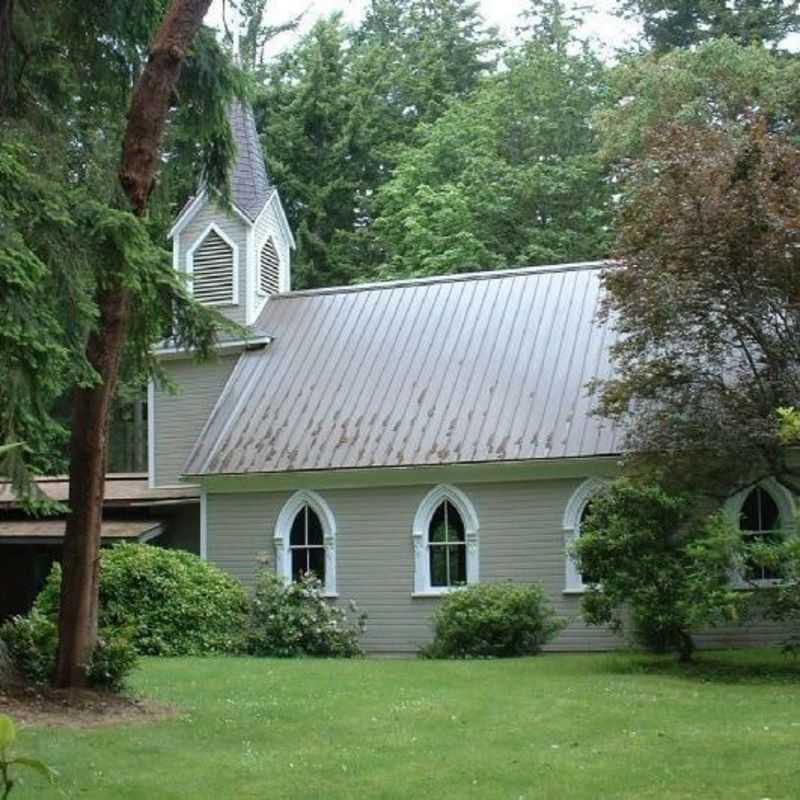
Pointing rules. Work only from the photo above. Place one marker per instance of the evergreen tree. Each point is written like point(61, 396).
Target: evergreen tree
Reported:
point(509, 176)
point(671, 24)
point(342, 105)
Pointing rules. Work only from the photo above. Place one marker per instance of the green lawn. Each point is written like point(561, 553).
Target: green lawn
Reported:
point(556, 726)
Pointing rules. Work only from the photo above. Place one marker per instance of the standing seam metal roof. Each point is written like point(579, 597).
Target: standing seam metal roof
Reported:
point(487, 367)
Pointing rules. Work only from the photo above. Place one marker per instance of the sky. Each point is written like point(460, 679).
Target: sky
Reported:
point(601, 25)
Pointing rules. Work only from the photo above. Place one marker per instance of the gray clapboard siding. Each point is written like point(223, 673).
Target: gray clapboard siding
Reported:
point(236, 230)
point(179, 418)
point(521, 539)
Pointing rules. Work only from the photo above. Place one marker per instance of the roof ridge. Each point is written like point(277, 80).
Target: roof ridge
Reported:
point(447, 278)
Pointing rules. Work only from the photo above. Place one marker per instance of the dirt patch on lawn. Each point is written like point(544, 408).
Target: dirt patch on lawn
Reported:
point(79, 708)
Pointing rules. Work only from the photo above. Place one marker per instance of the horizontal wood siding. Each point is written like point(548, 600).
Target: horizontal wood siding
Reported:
point(521, 539)
point(180, 418)
point(236, 230)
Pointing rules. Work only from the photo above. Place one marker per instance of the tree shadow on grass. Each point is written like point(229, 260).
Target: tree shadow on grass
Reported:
point(768, 666)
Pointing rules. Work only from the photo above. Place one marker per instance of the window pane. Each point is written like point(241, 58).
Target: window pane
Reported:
point(438, 566)
point(455, 525)
point(299, 563)
point(298, 535)
point(316, 557)
point(458, 564)
point(314, 527)
point(759, 512)
point(437, 530)
point(768, 511)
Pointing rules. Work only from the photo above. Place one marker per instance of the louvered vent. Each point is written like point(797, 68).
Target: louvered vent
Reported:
point(213, 270)
point(269, 269)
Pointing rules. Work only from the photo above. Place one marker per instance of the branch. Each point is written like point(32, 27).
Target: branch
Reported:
point(151, 99)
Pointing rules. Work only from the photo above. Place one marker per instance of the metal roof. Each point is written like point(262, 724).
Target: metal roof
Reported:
point(487, 367)
point(249, 182)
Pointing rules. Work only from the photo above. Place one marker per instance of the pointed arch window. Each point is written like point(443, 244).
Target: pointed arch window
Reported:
point(765, 513)
point(445, 537)
point(211, 262)
point(305, 540)
point(576, 512)
point(269, 268)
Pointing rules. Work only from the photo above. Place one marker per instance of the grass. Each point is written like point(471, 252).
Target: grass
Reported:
point(556, 726)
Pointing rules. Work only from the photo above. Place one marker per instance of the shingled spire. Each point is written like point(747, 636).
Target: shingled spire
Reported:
point(249, 180)
point(238, 253)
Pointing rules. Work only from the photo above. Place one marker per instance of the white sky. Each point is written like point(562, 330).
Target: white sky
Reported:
point(601, 25)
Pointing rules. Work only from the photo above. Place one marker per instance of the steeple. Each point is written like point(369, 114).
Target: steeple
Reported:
point(236, 254)
point(249, 181)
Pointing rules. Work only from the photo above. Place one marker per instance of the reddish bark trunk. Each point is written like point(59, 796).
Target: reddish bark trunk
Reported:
point(90, 410)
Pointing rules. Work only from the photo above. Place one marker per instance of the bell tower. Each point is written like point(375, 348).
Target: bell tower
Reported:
point(236, 254)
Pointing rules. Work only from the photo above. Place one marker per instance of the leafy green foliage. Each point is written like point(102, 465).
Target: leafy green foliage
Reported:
point(508, 177)
point(8, 735)
point(337, 110)
point(114, 657)
point(672, 24)
point(493, 620)
point(32, 641)
point(169, 602)
point(657, 567)
point(715, 85)
point(294, 619)
point(782, 601)
point(64, 230)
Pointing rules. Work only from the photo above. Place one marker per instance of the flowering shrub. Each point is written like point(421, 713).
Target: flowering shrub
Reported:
point(294, 619)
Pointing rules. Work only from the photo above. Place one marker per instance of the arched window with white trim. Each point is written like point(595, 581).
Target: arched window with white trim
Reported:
point(305, 540)
point(577, 510)
point(764, 513)
point(445, 537)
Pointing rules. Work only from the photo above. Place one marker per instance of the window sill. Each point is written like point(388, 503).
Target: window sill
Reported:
point(576, 590)
point(436, 592)
point(330, 595)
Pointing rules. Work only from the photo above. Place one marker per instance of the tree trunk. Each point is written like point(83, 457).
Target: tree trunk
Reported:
point(6, 37)
point(90, 409)
point(685, 647)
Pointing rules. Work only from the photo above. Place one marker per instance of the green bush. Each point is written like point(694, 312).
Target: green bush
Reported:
point(294, 619)
point(113, 659)
point(492, 620)
point(661, 569)
point(169, 601)
point(32, 642)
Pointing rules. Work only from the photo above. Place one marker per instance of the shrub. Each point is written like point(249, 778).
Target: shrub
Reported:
point(659, 567)
point(492, 620)
point(113, 659)
point(32, 642)
point(169, 602)
point(294, 619)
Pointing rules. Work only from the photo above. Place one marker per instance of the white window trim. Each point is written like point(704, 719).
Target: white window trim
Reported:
point(212, 226)
point(422, 520)
point(787, 511)
point(573, 582)
point(269, 238)
point(283, 528)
